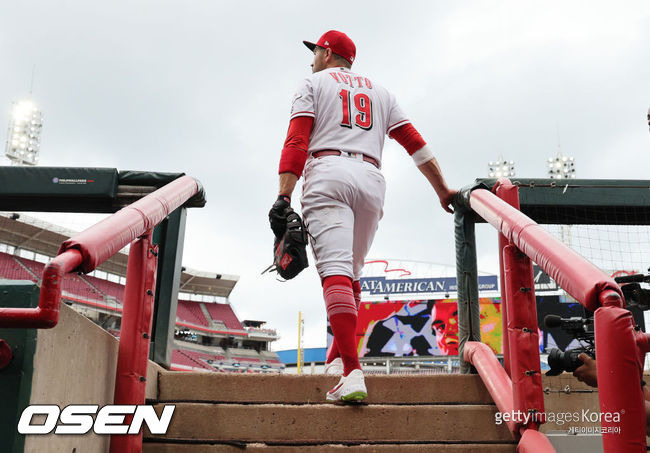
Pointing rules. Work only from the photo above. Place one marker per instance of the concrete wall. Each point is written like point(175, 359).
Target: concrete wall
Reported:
point(75, 362)
point(565, 394)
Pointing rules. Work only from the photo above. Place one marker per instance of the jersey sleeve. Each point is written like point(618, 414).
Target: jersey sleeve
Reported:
point(407, 136)
point(396, 116)
point(294, 153)
point(303, 100)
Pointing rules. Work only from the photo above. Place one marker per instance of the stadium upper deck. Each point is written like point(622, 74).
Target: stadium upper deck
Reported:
point(206, 330)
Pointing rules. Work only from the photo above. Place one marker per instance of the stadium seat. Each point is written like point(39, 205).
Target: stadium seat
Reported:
point(191, 312)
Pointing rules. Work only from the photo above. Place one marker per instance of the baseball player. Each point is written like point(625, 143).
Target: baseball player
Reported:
point(338, 123)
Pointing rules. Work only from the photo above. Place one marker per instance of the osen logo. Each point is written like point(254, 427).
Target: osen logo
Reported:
point(78, 419)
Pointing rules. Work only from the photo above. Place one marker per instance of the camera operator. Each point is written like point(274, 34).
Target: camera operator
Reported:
point(587, 371)
point(581, 361)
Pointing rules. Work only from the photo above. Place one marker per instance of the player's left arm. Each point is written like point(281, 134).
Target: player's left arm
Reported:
point(431, 170)
point(407, 136)
point(287, 184)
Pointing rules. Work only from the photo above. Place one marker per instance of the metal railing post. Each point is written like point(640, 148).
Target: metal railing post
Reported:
point(505, 340)
point(172, 234)
point(510, 194)
point(469, 328)
point(132, 361)
point(521, 309)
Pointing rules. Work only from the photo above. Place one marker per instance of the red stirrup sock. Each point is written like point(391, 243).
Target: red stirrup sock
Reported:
point(332, 353)
point(356, 290)
point(344, 326)
point(342, 313)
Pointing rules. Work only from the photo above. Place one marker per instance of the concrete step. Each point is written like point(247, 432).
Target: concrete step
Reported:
point(330, 448)
point(327, 423)
point(311, 389)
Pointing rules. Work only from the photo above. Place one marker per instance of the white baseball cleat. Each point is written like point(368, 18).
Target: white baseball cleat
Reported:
point(351, 388)
point(335, 367)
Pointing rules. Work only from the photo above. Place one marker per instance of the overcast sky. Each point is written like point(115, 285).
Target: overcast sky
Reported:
point(205, 88)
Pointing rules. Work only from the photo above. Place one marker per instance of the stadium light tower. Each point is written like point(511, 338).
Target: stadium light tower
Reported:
point(561, 167)
point(24, 135)
point(501, 168)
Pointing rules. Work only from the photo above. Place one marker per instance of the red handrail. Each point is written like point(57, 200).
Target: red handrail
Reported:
point(93, 246)
point(577, 276)
point(500, 387)
point(46, 315)
point(620, 350)
point(89, 249)
point(106, 238)
point(494, 377)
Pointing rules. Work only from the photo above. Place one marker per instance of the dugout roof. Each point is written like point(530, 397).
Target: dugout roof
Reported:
point(88, 190)
point(83, 189)
point(581, 201)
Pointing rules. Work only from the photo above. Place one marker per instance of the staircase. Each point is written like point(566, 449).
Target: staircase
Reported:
point(92, 285)
point(24, 266)
point(206, 313)
point(218, 412)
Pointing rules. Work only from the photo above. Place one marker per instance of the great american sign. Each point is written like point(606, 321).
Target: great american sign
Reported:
point(382, 286)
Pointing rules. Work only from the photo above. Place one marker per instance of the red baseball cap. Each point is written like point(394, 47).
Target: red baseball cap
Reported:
point(339, 42)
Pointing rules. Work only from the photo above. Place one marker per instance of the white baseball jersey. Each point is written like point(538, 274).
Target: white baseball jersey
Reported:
point(351, 112)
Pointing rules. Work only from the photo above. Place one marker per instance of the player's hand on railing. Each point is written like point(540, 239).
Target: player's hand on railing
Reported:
point(587, 371)
point(446, 199)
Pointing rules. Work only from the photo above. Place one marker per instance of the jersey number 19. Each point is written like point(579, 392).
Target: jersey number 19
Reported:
point(363, 105)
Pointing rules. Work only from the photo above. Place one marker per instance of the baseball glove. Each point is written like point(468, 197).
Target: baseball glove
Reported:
point(290, 250)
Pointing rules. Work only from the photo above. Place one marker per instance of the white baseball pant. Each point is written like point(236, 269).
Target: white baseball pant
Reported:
point(342, 203)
